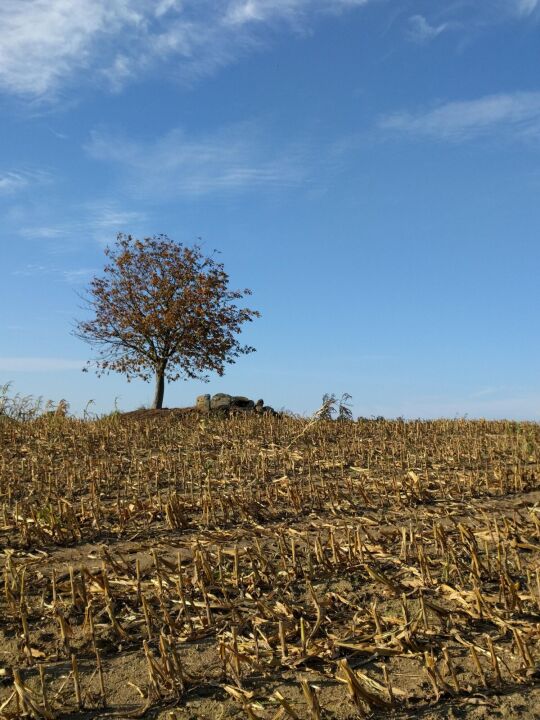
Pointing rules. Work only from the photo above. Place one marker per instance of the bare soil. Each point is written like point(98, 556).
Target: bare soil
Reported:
point(171, 565)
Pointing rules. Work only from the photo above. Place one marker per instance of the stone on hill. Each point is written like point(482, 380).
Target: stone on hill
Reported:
point(203, 402)
point(225, 403)
point(220, 401)
point(239, 402)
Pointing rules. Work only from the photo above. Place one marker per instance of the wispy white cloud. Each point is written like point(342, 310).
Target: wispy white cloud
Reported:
point(99, 221)
point(73, 276)
point(109, 216)
point(526, 7)
point(248, 11)
point(38, 364)
point(235, 158)
point(12, 181)
point(487, 392)
point(240, 12)
point(516, 113)
point(421, 31)
point(45, 232)
point(45, 42)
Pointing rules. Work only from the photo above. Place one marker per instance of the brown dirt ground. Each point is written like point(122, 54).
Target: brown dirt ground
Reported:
point(76, 532)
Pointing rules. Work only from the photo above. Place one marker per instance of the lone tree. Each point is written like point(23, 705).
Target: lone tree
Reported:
point(163, 309)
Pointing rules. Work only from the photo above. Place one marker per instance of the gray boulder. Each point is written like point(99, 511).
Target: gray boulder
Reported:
point(203, 403)
point(262, 409)
point(220, 401)
point(224, 403)
point(240, 402)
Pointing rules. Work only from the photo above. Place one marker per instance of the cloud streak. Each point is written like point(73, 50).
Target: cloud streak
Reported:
point(99, 221)
point(236, 158)
point(421, 31)
point(45, 43)
point(73, 276)
point(527, 7)
point(517, 114)
point(48, 44)
point(13, 181)
point(39, 364)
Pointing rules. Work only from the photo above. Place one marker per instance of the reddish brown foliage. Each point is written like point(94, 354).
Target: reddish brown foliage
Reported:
point(163, 309)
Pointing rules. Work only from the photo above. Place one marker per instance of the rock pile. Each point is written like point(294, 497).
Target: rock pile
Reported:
point(225, 404)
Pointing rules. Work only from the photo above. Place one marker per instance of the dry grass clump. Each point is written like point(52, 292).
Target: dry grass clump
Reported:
point(279, 567)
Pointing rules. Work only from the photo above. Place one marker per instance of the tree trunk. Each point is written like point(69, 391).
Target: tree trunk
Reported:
point(160, 388)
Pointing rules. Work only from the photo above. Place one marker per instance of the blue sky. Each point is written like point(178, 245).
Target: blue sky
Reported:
point(370, 168)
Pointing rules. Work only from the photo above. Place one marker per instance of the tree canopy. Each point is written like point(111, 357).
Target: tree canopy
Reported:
point(163, 309)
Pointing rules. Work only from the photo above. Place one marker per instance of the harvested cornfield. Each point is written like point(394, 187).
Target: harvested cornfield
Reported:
point(264, 568)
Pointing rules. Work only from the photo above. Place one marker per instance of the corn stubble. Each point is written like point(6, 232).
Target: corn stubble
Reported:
point(295, 569)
